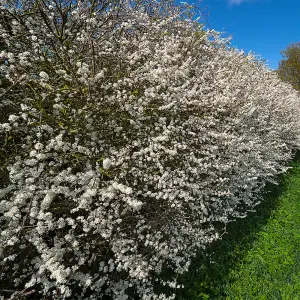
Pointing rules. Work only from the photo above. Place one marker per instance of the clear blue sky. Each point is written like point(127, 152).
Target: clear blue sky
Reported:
point(264, 27)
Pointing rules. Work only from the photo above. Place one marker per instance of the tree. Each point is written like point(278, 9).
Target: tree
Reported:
point(289, 66)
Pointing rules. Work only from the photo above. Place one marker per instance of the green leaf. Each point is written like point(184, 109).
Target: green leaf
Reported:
point(73, 131)
point(61, 125)
point(135, 92)
point(35, 124)
point(100, 159)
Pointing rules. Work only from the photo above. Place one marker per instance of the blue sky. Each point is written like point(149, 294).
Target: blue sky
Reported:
point(264, 27)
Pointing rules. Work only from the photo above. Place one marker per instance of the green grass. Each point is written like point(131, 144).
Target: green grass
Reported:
point(259, 258)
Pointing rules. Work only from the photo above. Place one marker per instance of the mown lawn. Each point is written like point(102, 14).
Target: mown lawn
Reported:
point(259, 258)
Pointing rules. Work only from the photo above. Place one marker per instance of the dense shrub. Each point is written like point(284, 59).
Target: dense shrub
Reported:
point(131, 137)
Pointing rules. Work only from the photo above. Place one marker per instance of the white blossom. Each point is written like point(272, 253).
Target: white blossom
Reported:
point(44, 75)
point(106, 163)
point(190, 128)
point(13, 118)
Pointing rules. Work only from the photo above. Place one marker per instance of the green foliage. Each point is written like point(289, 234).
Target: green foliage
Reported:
point(289, 66)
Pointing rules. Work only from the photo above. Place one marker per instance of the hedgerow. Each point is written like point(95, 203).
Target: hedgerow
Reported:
point(130, 138)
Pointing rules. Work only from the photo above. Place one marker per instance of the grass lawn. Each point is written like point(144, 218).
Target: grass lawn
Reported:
point(259, 258)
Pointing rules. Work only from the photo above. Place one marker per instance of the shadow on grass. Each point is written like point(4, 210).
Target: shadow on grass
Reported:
point(209, 272)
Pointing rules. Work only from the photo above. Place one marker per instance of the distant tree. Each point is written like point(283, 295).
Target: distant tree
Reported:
point(289, 66)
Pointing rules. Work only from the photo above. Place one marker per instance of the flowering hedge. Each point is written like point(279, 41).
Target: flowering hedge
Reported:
point(131, 137)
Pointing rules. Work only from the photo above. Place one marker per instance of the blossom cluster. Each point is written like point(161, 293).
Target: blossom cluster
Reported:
point(131, 137)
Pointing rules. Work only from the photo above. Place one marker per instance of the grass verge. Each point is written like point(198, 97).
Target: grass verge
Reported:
point(259, 258)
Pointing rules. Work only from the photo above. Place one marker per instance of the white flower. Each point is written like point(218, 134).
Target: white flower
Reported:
point(47, 200)
point(106, 163)
point(44, 76)
point(38, 146)
point(99, 75)
point(13, 118)
point(5, 126)
point(135, 204)
point(122, 188)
